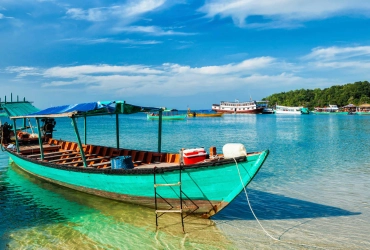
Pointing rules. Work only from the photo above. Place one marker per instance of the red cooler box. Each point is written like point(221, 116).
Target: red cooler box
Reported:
point(194, 155)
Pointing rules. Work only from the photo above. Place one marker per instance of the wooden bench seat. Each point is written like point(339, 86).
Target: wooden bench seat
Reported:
point(87, 160)
point(36, 148)
point(71, 158)
point(50, 153)
point(59, 155)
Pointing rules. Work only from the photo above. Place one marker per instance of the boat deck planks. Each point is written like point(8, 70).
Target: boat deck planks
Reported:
point(68, 154)
point(36, 148)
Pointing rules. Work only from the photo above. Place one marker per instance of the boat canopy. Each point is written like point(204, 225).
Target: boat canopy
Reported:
point(169, 110)
point(365, 105)
point(88, 109)
point(349, 106)
point(16, 108)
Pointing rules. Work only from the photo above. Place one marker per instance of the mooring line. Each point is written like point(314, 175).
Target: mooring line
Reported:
point(246, 194)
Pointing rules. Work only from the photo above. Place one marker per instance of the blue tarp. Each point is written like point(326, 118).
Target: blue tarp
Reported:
point(90, 108)
point(81, 107)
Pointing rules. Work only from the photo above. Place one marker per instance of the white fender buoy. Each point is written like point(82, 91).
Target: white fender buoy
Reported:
point(232, 150)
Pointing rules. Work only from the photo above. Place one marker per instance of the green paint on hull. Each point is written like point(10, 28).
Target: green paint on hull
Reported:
point(207, 186)
point(166, 117)
point(329, 113)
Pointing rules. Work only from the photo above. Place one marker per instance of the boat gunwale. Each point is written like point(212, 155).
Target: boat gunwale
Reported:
point(138, 170)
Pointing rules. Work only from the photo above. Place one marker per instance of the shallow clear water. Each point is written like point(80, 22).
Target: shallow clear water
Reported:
point(311, 193)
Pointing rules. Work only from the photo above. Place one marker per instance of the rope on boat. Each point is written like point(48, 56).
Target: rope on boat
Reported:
point(246, 195)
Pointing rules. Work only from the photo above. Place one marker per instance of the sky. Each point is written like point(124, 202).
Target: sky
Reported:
point(178, 53)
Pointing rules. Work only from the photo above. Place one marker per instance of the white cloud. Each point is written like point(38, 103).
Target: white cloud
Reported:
point(282, 13)
point(167, 79)
point(264, 75)
point(260, 74)
point(354, 60)
point(244, 66)
point(109, 40)
point(128, 12)
point(336, 53)
point(95, 70)
point(23, 71)
point(152, 30)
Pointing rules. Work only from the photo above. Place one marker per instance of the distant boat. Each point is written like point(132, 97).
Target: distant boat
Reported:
point(291, 110)
point(189, 181)
point(203, 113)
point(237, 107)
point(265, 106)
point(330, 110)
point(167, 114)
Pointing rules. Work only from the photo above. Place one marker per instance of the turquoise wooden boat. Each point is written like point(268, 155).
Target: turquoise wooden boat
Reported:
point(158, 179)
point(167, 114)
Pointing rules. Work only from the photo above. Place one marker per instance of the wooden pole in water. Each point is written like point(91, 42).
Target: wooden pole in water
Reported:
point(117, 130)
point(79, 141)
point(15, 135)
point(85, 130)
point(160, 131)
point(40, 138)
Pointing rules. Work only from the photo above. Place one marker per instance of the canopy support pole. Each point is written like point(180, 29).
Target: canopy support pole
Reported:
point(117, 130)
point(79, 141)
point(15, 135)
point(160, 131)
point(40, 138)
point(85, 129)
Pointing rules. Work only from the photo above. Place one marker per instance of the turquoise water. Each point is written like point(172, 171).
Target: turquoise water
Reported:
point(311, 193)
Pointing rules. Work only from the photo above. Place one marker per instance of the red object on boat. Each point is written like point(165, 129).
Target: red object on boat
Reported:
point(194, 155)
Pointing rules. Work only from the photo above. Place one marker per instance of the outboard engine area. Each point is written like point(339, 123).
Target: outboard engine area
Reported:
point(47, 128)
point(6, 131)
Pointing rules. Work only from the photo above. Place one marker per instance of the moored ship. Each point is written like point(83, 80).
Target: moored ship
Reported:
point(237, 107)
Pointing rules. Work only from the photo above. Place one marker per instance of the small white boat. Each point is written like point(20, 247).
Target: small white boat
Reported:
point(290, 110)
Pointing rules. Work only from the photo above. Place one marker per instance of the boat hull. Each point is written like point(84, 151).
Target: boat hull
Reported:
point(206, 186)
point(251, 111)
point(330, 113)
point(170, 117)
point(278, 112)
point(362, 113)
point(205, 115)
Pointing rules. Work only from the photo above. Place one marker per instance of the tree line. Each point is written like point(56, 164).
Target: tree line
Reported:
point(352, 93)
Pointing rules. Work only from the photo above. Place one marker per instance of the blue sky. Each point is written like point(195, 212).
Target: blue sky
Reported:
point(179, 53)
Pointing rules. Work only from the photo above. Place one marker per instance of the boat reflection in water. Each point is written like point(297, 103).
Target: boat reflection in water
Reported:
point(44, 215)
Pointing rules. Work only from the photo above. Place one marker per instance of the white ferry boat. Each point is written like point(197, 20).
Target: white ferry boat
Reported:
point(290, 110)
point(237, 107)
